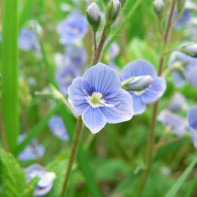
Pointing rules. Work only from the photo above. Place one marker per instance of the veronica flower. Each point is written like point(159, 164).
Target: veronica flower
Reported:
point(72, 29)
point(146, 88)
point(114, 50)
point(46, 179)
point(99, 99)
point(65, 76)
point(32, 151)
point(192, 120)
point(174, 122)
point(187, 71)
point(27, 40)
point(177, 103)
point(57, 127)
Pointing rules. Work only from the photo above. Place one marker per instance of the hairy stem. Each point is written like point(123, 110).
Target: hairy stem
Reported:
point(151, 140)
point(72, 154)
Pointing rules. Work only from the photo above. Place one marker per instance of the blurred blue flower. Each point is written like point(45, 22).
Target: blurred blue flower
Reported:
point(98, 98)
point(57, 127)
point(192, 120)
point(177, 103)
point(46, 179)
point(184, 20)
point(174, 122)
point(187, 71)
point(27, 40)
point(114, 50)
point(72, 29)
point(32, 151)
point(155, 86)
point(65, 76)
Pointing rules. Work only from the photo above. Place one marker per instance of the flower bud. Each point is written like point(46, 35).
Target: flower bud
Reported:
point(158, 7)
point(137, 83)
point(123, 2)
point(190, 50)
point(112, 11)
point(93, 16)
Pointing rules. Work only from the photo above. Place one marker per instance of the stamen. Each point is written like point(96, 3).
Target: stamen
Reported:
point(117, 104)
point(84, 92)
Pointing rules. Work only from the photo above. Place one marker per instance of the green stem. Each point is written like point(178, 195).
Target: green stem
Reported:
point(10, 101)
point(72, 154)
point(151, 140)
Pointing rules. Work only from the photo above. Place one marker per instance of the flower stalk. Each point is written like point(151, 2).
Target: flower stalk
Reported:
point(151, 140)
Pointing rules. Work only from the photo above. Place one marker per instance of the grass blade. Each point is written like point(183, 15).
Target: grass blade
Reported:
point(37, 129)
point(175, 188)
point(10, 101)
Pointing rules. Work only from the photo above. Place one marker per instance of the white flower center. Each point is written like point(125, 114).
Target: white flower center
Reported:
point(96, 100)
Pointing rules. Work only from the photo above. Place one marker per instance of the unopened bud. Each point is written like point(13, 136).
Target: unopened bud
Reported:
point(158, 6)
point(137, 83)
point(190, 50)
point(113, 11)
point(93, 16)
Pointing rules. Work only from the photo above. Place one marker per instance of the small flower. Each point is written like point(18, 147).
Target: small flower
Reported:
point(72, 29)
point(114, 50)
point(177, 103)
point(58, 128)
point(191, 50)
point(174, 122)
point(27, 40)
point(65, 76)
point(93, 16)
point(187, 71)
point(46, 179)
point(192, 120)
point(32, 151)
point(143, 71)
point(98, 98)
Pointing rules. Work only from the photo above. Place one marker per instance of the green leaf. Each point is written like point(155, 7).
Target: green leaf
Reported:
point(13, 176)
point(192, 186)
point(29, 191)
point(10, 101)
point(175, 188)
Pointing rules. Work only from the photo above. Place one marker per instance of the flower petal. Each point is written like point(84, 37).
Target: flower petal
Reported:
point(156, 90)
point(103, 79)
point(192, 117)
point(191, 77)
point(76, 97)
point(138, 68)
point(177, 78)
point(122, 112)
point(93, 119)
point(139, 106)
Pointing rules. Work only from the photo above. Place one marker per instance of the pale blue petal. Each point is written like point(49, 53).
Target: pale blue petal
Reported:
point(93, 119)
point(177, 78)
point(156, 90)
point(138, 68)
point(192, 117)
point(101, 78)
point(139, 106)
point(122, 112)
point(191, 77)
point(193, 134)
point(76, 97)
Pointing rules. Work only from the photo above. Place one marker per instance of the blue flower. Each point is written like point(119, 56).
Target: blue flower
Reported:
point(174, 122)
point(32, 151)
point(192, 120)
point(72, 29)
point(177, 103)
point(57, 127)
point(155, 86)
point(185, 18)
point(114, 50)
point(65, 76)
point(27, 40)
point(99, 99)
point(46, 179)
point(188, 70)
